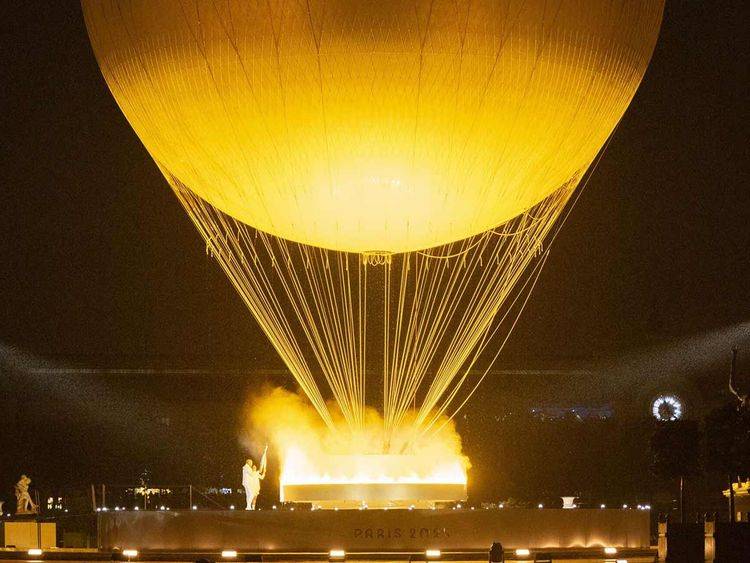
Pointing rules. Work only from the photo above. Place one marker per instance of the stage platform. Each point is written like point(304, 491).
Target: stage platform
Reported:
point(374, 531)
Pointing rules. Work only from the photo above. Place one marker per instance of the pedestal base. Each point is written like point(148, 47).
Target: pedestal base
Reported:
point(25, 534)
point(297, 531)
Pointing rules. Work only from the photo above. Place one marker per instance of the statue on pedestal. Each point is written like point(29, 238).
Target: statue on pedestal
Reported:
point(24, 504)
point(251, 478)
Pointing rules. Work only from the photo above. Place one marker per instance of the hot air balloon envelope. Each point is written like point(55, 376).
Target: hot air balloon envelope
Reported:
point(373, 125)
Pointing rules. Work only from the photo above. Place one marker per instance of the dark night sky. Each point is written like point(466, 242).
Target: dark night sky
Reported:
point(100, 266)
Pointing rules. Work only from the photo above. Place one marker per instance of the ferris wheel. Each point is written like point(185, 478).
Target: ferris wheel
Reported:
point(667, 408)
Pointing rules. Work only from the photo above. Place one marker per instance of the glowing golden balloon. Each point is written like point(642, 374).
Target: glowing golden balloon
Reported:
point(373, 125)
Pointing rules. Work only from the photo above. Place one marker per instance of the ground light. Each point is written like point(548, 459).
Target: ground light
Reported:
point(34, 552)
point(130, 553)
point(523, 552)
point(337, 555)
point(229, 554)
point(432, 554)
point(610, 550)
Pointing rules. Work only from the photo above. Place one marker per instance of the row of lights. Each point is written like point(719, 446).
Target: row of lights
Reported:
point(37, 552)
point(136, 508)
point(337, 554)
point(541, 505)
point(523, 552)
point(340, 554)
point(195, 507)
point(602, 506)
point(364, 507)
point(334, 554)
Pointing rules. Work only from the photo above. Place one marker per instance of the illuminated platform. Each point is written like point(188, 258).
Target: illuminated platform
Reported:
point(373, 481)
point(374, 495)
point(368, 531)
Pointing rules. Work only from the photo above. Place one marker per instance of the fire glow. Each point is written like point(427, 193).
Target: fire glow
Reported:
point(299, 469)
point(372, 480)
point(361, 468)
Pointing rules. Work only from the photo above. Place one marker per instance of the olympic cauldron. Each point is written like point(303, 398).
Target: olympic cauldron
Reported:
point(371, 481)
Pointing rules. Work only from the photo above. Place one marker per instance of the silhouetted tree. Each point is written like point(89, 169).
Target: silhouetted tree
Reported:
point(728, 440)
point(676, 453)
point(727, 430)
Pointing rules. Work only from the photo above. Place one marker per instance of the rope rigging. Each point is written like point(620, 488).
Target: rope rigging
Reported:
point(319, 309)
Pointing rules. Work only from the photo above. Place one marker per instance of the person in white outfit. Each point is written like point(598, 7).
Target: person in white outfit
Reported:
point(251, 478)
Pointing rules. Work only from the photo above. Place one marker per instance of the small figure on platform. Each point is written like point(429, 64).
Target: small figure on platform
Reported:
point(24, 504)
point(251, 478)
